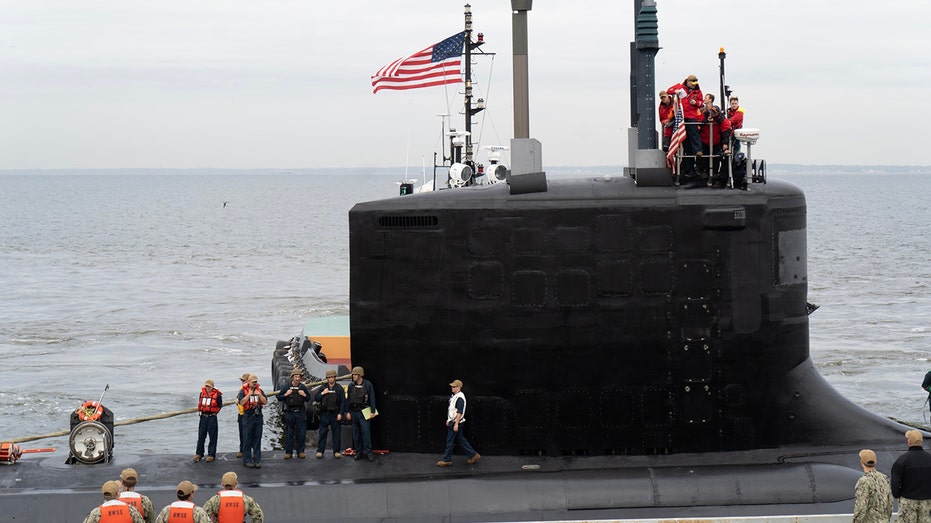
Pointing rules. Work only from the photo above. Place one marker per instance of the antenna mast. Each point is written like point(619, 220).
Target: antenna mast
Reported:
point(470, 109)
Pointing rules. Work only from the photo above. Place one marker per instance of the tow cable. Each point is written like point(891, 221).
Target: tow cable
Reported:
point(90, 408)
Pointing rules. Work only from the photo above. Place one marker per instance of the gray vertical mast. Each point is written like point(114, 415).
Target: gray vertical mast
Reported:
point(526, 153)
point(468, 84)
point(724, 90)
point(470, 108)
point(647, 160)
point(644, 51)
point(521, 76)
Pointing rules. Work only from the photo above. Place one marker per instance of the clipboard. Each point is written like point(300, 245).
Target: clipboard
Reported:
point(368, 413)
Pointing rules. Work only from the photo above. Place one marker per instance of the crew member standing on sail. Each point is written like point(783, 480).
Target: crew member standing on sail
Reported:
point(735, 114)
point(128, 495)
point(361, 395)
point(666, 117)
point(332, 400)
point(715, 136)
point(455, 416)
point(911, 481)
point(113, 510)
point(692, 99)
point(293, 400)
point(208, 404)
point(252, 400)
point(231, 505)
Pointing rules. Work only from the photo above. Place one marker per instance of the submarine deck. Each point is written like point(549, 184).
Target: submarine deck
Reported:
point(406, 487)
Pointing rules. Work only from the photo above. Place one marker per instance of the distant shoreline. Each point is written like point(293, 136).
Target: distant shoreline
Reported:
point(400, 172)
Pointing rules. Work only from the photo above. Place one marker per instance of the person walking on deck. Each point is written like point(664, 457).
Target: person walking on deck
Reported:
point(455, 417)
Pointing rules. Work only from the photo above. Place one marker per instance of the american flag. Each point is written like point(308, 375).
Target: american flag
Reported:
point(678, 135)
point(436, 65)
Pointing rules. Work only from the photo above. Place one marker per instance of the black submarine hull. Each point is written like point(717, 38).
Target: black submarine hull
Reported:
point(595, 318)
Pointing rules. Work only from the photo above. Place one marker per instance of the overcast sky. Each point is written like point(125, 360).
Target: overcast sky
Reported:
point(286, 84)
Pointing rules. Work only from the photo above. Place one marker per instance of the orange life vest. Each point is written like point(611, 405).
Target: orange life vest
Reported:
point(245, 392)
point(132, 498)
point(181, 512)
point(208, 403)
point(232, 506)
point(253, 401)
point(115, 511)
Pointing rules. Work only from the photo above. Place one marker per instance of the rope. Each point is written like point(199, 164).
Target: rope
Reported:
point(924, 408)
point(165, 415)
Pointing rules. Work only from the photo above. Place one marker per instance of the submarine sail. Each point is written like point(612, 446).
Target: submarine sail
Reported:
point(610, 315)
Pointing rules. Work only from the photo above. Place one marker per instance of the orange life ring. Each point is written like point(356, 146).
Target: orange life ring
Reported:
point(90, 411)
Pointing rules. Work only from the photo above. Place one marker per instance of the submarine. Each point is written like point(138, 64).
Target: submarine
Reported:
point(630, 348)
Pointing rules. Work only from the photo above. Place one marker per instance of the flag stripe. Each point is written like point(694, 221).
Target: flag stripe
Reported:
point(415, 81)
point(438, 64)
point(678, 135)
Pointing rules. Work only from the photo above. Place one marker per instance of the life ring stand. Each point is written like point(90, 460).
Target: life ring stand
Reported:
point(90, 411)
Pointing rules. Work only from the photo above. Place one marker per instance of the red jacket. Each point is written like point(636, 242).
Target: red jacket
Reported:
point(736, 117)
point(666, 115)
point(722, 129)
point(692, 100)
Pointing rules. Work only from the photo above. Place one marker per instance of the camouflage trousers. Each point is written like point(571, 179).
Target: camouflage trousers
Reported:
point(914, 511)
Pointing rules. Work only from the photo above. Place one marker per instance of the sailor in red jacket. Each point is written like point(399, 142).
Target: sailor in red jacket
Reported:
point(209, 404)
point(735, 113)
point(666, 117)
point(690, 96)
point(717, 133)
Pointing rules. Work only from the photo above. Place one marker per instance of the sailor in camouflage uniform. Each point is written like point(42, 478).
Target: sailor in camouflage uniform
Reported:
point(873, 495)
point(911, 481)
point(112, 508)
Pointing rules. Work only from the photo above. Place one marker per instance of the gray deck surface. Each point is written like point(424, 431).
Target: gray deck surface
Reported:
point(410, 487)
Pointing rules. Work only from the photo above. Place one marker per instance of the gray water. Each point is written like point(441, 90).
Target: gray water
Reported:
point(149, 284)
point(868, 269)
